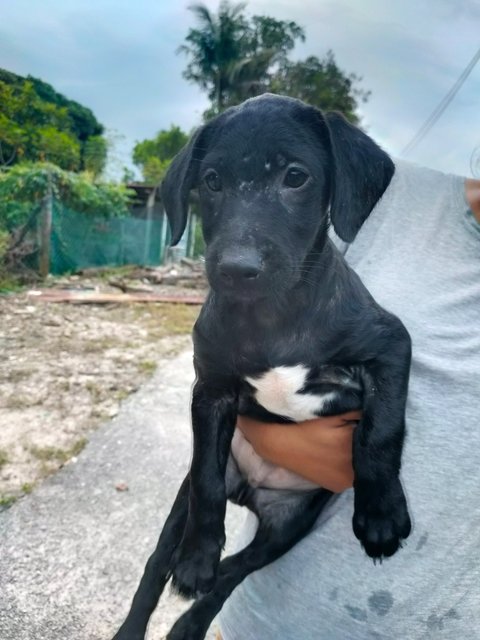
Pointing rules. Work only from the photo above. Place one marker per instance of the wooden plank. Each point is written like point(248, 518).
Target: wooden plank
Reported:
point(94, 297)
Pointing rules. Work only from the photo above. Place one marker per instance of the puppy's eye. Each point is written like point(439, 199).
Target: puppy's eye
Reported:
point(295, 178)
point(213, 181)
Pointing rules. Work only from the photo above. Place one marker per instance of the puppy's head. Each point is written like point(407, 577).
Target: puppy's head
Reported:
point(268, 173)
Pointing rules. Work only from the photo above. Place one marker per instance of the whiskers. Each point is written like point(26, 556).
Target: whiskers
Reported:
point(307, 277)
point(311, 271)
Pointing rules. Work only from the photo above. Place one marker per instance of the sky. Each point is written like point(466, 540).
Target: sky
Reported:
point(119, 58)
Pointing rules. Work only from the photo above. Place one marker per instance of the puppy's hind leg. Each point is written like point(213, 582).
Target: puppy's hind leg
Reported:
point(273, 539)
point(157, 570)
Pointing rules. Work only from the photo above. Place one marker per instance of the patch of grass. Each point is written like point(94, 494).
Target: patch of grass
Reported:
point(9, 283)
point(46, 453)
point(128, 344)
point(17, 401)
point(122, 394)
point(116, 272)
point(77, 447)
point(147, 366)
point(54, 454)
point(98, 416)
point(98, 344)
point(165, 319)
point(17, 375)
point(27, 487)
point(65, 385)
point(94, 390)
point(3, 458)
point(6, 501)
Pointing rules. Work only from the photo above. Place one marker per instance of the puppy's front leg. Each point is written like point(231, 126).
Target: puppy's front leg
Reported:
point(214, 413)
point(381, 519)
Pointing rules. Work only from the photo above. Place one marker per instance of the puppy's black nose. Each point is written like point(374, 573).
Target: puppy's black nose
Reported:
point(241, 269)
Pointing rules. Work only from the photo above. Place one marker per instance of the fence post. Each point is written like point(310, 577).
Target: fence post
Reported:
point(191, 229)
point(46, 230)
point(148, 225)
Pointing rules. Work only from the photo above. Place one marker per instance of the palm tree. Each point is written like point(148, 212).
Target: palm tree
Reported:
point(215, 47)
point(249, 76)
point(231, 56)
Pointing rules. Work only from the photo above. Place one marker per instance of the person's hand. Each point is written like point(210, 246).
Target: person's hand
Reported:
point(319, 450)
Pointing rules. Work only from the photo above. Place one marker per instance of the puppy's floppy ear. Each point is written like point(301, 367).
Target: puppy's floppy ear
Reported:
point(180, 178)
point(362, 172)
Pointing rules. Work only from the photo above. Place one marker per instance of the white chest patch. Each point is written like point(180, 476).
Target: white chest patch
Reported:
point(278, 391)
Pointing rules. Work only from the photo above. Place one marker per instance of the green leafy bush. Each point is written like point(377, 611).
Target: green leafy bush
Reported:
point(23, 186)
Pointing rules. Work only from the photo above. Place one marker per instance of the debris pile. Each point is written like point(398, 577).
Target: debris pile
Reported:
point(187, 273)
point(184, 282)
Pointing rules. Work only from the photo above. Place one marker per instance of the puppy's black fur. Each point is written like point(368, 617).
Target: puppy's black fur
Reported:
point(270, 174)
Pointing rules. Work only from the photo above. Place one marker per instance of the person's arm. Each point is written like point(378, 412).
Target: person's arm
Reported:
point(319, 450)
point(472, 194)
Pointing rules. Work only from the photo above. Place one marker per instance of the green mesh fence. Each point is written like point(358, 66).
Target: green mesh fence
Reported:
point(79, 240)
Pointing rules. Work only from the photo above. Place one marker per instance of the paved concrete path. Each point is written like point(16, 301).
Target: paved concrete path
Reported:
point(72, 552)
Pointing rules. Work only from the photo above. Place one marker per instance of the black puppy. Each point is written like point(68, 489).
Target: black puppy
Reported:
point(288, 332)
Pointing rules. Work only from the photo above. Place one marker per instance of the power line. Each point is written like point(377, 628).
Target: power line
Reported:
point(437, 112)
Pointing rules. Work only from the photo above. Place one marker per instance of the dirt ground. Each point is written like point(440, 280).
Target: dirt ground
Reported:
point(65, 369)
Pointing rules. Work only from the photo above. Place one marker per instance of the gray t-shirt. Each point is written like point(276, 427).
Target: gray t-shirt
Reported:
point(419, 255)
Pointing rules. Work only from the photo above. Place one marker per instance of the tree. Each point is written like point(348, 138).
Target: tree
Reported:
point(154, 156)
point(230, 56)
point(320, 83)
point(266, 44)
point(82, 121)
point(37, 123)
point(233, 58)
point(213, 48)
point(58, 147)
point(94, 154)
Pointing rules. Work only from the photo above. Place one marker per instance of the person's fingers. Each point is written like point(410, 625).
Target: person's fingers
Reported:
point(323, 455)
point(351, 416)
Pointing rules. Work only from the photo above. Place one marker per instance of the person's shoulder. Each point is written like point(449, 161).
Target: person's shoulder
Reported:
point(412, 172)
point(415, 192)
point(416, 186)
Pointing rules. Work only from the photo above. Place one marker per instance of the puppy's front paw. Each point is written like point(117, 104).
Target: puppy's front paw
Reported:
point(195, 567)
point(381, 519)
